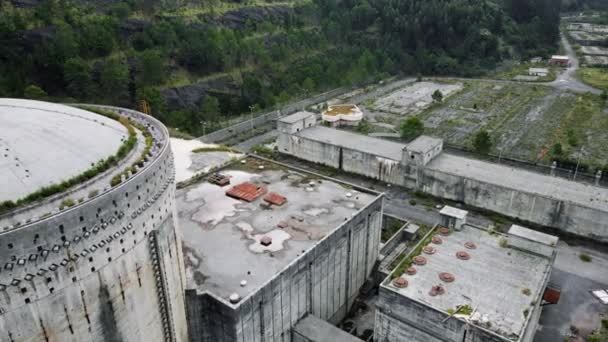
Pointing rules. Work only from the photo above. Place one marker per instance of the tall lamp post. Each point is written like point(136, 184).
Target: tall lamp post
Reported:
point(251, 112)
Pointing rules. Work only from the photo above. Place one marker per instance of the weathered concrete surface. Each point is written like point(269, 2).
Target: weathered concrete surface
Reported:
point(573, 207)
point(321, 276)
point(491, 275)
point(45, 143)
point(89, 273)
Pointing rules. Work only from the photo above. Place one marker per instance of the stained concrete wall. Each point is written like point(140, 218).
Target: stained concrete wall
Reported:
point(399, 318)
point(347, 159)
point(518, 203)
point(90, 274)
point(324, 281)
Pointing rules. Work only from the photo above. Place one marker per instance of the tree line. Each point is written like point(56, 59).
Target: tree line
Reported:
point(63, 50)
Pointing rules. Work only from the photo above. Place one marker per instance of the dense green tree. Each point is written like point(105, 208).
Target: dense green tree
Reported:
point(437, 96)
point(34, 92)
point(210, 109)
point(155, 100)
point(77, 77)
point(482, 143)
point(557, 150)
point(114, 78)
point(152, 67)
point(411, 128)
point(98, 36)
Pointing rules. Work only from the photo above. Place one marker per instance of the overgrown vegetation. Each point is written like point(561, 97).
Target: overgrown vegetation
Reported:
point(585, 257)
point(219, 148)
point(407, 262)
point(122, 53)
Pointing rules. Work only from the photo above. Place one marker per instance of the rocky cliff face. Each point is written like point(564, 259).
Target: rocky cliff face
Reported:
point(190, 96)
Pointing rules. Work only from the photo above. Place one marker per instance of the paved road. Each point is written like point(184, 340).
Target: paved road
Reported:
point(567, 80)
point(246, 145)
point(577, 307)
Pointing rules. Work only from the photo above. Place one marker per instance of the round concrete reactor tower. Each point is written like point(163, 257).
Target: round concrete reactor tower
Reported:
point(89, 246)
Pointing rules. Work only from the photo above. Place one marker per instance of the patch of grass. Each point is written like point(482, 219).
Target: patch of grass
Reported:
point(595, 77)
point(526, 291)
point(93, 193)
point(407, 262)
point(503, 242)
point(390, 230)
point(67, 203)
point(220, 148)
point(585, 257)
point(262, 151)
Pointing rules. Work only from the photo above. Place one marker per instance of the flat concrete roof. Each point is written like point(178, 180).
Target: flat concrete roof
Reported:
point(359, 142)
point(45, 143)
point(296, 117)
point(533, 235)
point(315, 329)
point(528, 181)
point(454, 212)
point(423, 144)
point(492, 281)
point(222, 236)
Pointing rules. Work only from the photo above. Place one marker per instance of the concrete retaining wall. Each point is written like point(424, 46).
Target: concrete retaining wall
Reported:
point(325, 282)
point(567, 216)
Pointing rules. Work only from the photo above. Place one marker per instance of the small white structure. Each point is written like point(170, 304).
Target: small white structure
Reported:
point(453, 218)
point(536, 60)
point(296, 122)
point(532, 241)
point(541, 72)
point(342, 115)
point(422, 150)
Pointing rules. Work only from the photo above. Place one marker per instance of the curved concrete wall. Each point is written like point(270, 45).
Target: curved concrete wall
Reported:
point(109, 269)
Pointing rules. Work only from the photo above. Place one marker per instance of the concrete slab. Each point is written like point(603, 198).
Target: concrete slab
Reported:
point(492, 276)
point(222, 236)
point(533, 235)
point(44, 143)
point(514, 178)
point(314, 329)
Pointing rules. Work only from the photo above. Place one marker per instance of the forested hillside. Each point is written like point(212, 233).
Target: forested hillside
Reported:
point(209, 59)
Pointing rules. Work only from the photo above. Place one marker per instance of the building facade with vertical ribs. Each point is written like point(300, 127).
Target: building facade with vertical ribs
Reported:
point(94, 254)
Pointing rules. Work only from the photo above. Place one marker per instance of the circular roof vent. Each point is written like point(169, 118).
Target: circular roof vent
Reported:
point(243, 283)
point(234, 298)
point(436, 240)
point(462, 255)
point(437, 290)
point(429, 250)
point(444, 231)
point(419, 260)
point(470, 245)
point(400, 282)
point(411, 270)
point(447, 277)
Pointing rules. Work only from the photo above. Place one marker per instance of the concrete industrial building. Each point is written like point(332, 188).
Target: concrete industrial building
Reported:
point(275, 251)
point(468, 285)
point(573, 207)
point(99, 260)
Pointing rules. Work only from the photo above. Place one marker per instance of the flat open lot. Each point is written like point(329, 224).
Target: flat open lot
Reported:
point(524, 120)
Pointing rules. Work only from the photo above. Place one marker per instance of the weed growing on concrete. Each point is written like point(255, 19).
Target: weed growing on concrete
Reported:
point(585, 257)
